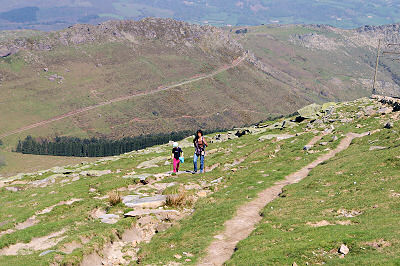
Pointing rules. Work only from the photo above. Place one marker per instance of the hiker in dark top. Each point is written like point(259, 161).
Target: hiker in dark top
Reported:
point(200, 145)
point(177, 155)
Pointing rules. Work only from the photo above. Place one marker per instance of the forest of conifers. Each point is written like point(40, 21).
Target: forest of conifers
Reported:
point(95, 147)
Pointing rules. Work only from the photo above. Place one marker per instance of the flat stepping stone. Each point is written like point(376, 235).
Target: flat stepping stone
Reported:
point(96, 173)
point(109, 218)
point(141, 177)
point(146, 202)
point(278, 137)
point(149, 211)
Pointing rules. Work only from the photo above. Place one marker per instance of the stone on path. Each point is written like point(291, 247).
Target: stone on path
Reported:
point(146, 202)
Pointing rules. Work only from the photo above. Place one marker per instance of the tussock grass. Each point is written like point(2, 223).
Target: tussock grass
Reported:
point(114, 198)
point(182, 199)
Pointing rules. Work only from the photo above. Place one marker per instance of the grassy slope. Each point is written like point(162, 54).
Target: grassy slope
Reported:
point(282, 238)
point(261, 168)
point(355, 180)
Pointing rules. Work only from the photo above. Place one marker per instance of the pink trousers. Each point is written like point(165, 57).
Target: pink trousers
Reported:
point(176, 165)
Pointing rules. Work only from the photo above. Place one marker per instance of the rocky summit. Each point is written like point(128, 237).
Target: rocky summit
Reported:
point(102, 213)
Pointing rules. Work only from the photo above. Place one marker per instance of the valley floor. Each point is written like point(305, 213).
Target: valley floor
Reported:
point(327, 190)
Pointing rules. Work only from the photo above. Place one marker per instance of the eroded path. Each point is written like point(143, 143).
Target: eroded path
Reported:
point(248, 215)
point(234, 64)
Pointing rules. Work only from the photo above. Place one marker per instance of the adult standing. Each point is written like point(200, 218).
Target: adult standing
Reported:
point(200, 145)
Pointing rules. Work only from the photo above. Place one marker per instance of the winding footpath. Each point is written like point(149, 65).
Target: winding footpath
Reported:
point(248, 215)
point(234, 64)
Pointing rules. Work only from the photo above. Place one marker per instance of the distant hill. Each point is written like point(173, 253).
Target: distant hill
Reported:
point(130, 78)
point(52, 14)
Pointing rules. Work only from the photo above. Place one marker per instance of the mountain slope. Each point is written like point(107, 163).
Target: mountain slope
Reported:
point(326, 62)
point(118, 75)
point(52, 74)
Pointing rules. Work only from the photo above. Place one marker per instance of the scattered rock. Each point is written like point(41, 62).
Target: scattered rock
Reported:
point(278, 137)
point(307, 147)
point(344, 249)
point(13, 189)
point(388, 125)
point(177, 256)
point(146, 202)
point(373, 148)
point(109, 218)
point(149, 211)
point(46, 252)
point(143, 178)
point(95, 173)
point(348, 214)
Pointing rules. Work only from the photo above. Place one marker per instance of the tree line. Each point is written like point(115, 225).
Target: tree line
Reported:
point(95, 147)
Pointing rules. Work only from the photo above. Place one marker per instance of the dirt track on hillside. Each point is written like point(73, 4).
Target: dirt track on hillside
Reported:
point(248, 215)
point(124, 98)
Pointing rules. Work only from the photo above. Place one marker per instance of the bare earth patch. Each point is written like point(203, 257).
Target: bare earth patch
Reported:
point(319, 224)
point(40, 243)
point(378, 244)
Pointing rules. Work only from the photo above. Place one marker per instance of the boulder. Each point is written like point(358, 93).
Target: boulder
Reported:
point(311, 111)
point(241, 133)
point(344, 249)
point(4, 52)
point(388, 125)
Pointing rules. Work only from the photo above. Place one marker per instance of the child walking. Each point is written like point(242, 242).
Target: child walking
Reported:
point(177, 155)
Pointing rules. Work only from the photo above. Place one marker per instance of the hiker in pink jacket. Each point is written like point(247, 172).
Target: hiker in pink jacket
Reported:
point(177, 155)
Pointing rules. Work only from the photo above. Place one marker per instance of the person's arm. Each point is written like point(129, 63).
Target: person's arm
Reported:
point(172, 155)
point(205, 142)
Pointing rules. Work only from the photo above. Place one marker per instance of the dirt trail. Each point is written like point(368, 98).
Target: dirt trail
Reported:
point(234, 64)
point(248, 215)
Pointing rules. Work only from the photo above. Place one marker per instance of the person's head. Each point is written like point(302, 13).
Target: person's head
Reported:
point(199, 133)
point(175, 145)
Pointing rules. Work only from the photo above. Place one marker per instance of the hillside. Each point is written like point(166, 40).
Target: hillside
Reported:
point(326, 62)
point(127, 78)
point(326, 207)
point(52, 14)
